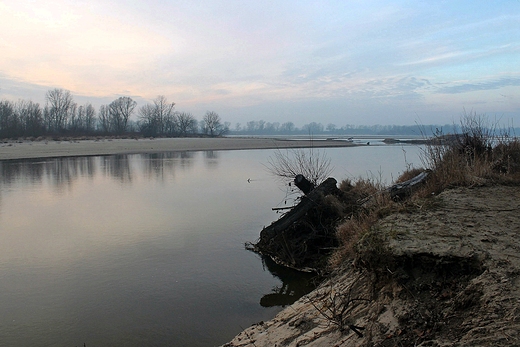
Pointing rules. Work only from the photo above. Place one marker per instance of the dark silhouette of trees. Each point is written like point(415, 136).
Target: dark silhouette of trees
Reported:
point(61, 115)
point(212, 124)
point(158, 119)
point(164, 114)
point(8, 120)
point(59, 106)
point(31, 118)
point(104, 119)
point(120, 111)
point(24, 118)
point(186, 123)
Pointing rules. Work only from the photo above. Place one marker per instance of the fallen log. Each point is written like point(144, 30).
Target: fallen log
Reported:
point(403, 189)
point(303, 184)
point(307, 202)
point(305, 235)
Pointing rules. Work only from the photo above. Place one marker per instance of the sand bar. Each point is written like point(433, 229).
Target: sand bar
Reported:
point(49, 149)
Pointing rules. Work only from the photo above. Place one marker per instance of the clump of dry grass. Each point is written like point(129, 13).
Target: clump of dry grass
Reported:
point(371, 204)
point(476, 156)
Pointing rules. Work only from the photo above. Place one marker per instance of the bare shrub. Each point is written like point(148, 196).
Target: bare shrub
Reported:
point(479, 153)
point(312, 163)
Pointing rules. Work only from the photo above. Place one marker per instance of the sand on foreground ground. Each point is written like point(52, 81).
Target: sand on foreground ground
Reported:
point(459, 286)
point(48, 149)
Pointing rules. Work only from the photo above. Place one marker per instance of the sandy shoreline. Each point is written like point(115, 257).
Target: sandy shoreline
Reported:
point(459, 284)
point(50, 149)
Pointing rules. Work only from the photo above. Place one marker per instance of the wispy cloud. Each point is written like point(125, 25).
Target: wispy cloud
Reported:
point(248, 55)
point(457, 88)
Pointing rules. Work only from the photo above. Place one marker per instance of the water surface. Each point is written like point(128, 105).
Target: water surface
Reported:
point(140, 250)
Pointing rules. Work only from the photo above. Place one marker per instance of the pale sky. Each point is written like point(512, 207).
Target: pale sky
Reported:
point(341, 62)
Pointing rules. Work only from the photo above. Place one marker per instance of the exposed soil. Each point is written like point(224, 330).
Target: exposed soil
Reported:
point(447, 273)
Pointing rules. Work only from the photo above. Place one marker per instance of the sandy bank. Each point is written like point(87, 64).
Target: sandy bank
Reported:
point(449, 276)
point(46, 149)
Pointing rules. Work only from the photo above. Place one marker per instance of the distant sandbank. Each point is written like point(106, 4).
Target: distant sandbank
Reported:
point(14, 150)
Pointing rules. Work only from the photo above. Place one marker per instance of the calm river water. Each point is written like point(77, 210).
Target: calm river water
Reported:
point(148, 250)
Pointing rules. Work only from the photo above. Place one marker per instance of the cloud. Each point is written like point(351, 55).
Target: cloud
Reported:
point(70, 46)
point(457, 88)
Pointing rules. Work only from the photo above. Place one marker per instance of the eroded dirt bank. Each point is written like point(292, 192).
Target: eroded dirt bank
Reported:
point(446, 273)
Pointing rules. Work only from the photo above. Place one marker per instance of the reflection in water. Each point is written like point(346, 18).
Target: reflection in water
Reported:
point(211, 159)
point(117, 166)
point(295, 284)
point(163, 165)
point(62, 172)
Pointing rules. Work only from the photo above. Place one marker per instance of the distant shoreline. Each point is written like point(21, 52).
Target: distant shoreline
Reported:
point(19, 150)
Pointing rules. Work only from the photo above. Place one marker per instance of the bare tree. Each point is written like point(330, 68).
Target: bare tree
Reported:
point(187, 123)
point(77, 115)
point(8, 119)
point(212, 124)
point(170, 124)
point(104, 119)
point(31, 118)
point(163, 113)
point(90, 118)
point(287, 127)
point(120, 111)
point(146, 123)
point(58, 108)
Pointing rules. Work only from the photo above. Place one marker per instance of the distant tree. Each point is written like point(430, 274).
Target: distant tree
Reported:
point(104, 119)
point(170, 125)
point(8, 119)
point(77, 114)
point(31, 118)
point(58, 108)
point(90, 118)
point(313, 128)
point(238, 127)
point(331, 127)
point(146, 124)
point(187, 123)
point(163, 114)
point(120, 111)
point(252, 126)
point(212, 124)
point(227, 126)
point(287, 127)
point(271, 128)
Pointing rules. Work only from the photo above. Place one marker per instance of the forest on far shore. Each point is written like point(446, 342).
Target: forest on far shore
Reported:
point(62, 116)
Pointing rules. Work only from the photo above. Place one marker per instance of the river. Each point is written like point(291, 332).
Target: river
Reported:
point(137, 250)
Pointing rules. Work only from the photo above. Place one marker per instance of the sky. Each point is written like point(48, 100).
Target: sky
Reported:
point(342, 62)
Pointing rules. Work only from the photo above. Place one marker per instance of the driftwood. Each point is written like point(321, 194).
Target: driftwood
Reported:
point(304, 236)
point(401, 190)
point(307, 202)
point(303, 184)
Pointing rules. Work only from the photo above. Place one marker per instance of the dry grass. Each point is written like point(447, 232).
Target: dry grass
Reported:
point(372, 204)
point(477, 156)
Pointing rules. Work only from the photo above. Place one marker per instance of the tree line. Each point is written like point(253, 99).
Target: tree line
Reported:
point(289, 128)
point(61, 115)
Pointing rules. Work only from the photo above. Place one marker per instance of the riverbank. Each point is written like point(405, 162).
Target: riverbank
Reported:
point(446, 274)
point(12, 150)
